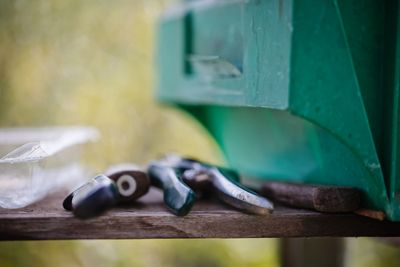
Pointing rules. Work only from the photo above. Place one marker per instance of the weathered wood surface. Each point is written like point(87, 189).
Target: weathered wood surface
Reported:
point(317, 197)
point(209, 219)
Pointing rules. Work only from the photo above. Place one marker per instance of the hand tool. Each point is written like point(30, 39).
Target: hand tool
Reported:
point(92, 198)
point(224, 182)
point(317, 197)
point(122, 184)
point(132, 183)
point(178, 197)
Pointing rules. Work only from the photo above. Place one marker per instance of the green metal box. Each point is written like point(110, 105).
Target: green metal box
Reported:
point(304, 91)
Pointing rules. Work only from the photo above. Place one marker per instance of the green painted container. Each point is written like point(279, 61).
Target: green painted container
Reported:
point(304, 91)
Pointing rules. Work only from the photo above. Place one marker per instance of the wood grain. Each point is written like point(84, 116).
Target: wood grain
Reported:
point(317, 197)
point(209, 219)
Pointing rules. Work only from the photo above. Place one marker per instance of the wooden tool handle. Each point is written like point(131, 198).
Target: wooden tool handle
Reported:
point(132, 182)
point(318, 197)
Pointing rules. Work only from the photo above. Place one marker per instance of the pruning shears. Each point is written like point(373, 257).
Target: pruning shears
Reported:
point(182, 179)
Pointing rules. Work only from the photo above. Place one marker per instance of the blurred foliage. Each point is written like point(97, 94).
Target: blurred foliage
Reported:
point(367, 252)
point(166, 253)
point(91, 62)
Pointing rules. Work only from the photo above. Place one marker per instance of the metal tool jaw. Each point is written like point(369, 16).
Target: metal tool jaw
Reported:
point(224, 182)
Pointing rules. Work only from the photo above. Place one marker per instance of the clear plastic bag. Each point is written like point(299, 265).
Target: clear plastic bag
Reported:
point(41, 161)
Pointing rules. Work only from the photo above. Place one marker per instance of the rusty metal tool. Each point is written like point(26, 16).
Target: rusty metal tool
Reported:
point(199, 175)
point(317, 197)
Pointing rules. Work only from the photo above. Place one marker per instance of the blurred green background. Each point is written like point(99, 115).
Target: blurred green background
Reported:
point(91, 63)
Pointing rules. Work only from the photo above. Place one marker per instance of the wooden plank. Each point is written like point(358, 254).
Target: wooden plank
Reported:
point(209, 219)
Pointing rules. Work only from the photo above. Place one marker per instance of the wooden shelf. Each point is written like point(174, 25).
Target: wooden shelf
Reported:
point(209, 219)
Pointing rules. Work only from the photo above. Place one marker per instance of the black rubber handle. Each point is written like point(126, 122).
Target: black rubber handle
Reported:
point(93, 198)
point(178, 197)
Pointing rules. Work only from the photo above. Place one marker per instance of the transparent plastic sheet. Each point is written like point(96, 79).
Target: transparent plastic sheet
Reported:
point(38, 161)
